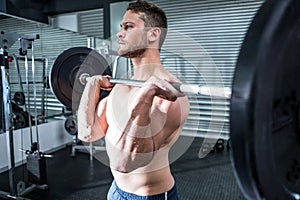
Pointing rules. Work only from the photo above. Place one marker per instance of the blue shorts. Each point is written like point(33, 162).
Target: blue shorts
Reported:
point(115, 193)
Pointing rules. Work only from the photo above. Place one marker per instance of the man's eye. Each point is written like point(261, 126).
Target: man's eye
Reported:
point(128, 27)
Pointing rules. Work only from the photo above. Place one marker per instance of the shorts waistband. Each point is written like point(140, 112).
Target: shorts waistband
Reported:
point(162, 196)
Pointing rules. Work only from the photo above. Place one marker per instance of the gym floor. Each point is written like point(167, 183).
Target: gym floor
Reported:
point(78, 178)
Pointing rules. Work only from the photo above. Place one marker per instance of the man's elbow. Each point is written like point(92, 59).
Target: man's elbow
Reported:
point(85, 134)
point(90, 135)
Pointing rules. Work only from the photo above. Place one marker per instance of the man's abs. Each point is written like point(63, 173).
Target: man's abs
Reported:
point(145, 184)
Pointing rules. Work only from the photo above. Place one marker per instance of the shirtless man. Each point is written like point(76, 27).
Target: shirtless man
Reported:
point(140, 124)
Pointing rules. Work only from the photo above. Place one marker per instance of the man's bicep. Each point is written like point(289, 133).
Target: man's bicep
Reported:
point(176, 115)
point(177, 112)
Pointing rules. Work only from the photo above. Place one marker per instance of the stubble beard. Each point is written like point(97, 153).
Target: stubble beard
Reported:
point(132, 53)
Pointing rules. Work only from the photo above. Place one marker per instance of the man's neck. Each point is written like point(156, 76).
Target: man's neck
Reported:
point(146, 64)
point(150, 56)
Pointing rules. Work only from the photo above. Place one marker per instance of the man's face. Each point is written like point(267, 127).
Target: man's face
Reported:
point(132, 36)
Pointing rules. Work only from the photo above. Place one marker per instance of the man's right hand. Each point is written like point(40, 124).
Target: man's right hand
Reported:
point(101, 81)
point(163, 89)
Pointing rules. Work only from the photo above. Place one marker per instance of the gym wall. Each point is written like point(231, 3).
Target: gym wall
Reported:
point(218, 26)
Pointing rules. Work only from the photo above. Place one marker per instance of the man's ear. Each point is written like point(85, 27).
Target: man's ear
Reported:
point(154, 34)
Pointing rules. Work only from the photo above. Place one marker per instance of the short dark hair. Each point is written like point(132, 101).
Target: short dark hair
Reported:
point(154, 16)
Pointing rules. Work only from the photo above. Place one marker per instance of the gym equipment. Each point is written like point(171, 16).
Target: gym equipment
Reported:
point(20, 117)
point(220, 145)
point(20, 120)
point(264, 104)
point(71, 125)
point(19, 98)
point(17, 190)
point(36, 166)
point(264, 111)
point(228, 145)
point(222, 92)
point(69, 70)
point(67, 79)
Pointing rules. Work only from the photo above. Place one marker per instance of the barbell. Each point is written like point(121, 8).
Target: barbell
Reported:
point(264, 99)
point(73, 66)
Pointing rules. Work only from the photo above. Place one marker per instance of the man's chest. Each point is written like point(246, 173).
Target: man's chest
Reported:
point(120, 104)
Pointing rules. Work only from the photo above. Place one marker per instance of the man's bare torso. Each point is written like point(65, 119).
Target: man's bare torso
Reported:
point(155, 177)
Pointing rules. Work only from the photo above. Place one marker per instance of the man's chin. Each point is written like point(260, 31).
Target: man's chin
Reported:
point(122, 53)
point(131, 54)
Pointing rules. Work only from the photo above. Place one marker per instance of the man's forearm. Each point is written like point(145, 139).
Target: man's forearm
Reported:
point(135, 147)
point(133, 151)
point(141, 107)
point(87, 109)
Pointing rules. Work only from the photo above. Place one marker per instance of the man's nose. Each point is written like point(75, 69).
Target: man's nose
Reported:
point(120, 34)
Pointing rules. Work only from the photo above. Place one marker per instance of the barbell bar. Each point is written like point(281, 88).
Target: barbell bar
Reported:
point(212, 91)
point(264, 104)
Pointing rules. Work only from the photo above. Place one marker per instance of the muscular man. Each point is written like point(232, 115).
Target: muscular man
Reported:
point(140, 124)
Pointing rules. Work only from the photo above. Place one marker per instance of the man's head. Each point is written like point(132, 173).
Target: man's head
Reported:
point(143, 24)
point(152, 16)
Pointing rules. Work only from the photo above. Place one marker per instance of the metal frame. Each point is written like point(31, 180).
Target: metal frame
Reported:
point(91, 149)
point(45, 64)
point(16, 191)
point(8, 120)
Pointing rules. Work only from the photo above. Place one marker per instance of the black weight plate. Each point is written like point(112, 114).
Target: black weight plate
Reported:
point(20, 120)
point(66, 70)
point(264, 113)
point(19, 98)
point(71, 125)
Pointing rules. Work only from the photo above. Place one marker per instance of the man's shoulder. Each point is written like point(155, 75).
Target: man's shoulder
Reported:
point(168, 76)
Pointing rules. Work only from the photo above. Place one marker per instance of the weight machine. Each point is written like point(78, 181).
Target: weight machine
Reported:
point(36, 163)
